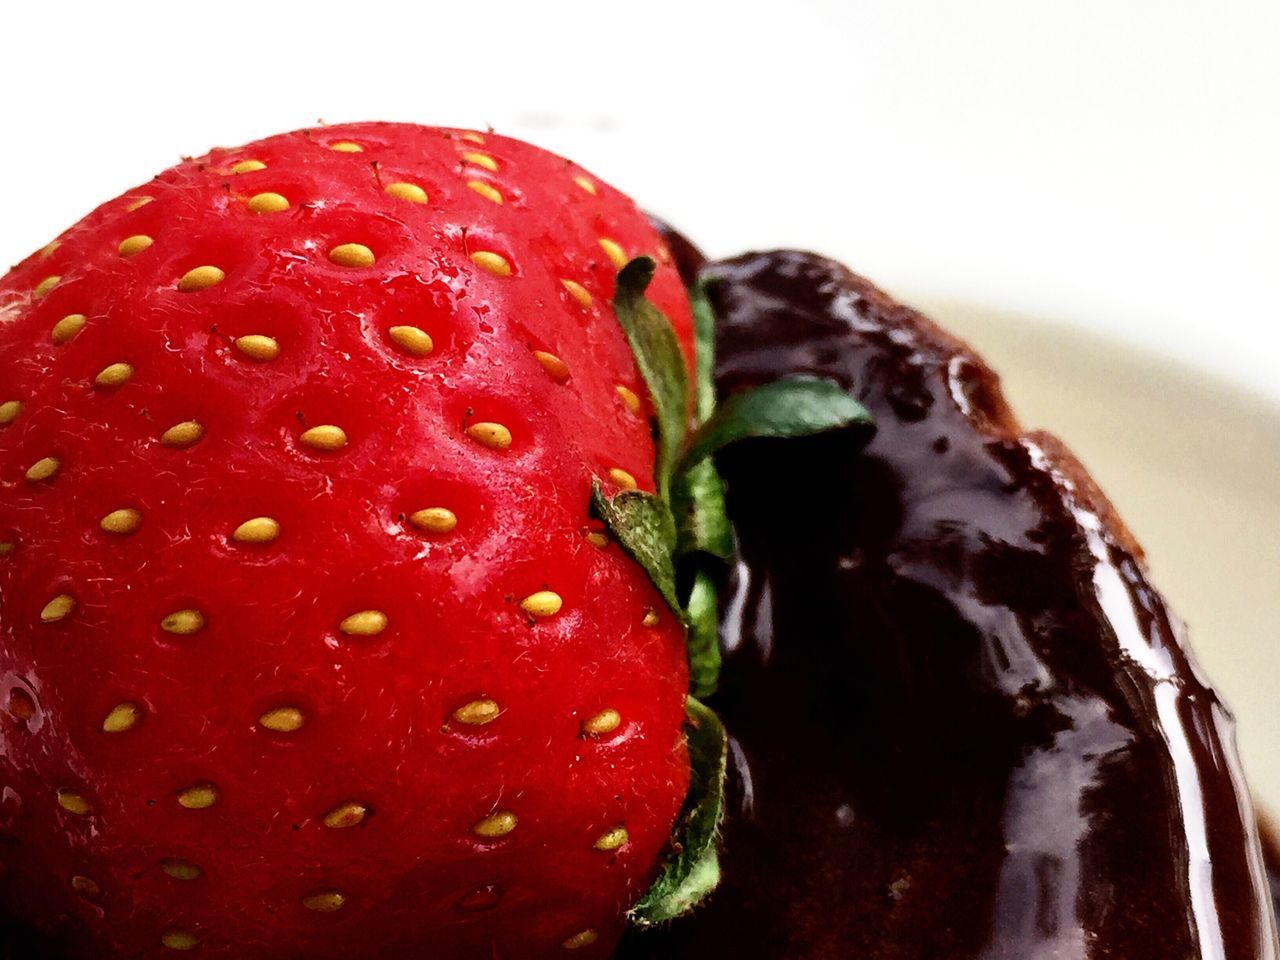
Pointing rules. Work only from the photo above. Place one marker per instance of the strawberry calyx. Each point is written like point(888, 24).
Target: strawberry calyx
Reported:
point(682, 538)
point(692, 869)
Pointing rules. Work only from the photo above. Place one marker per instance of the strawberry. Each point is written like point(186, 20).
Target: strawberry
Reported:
point(309, 646)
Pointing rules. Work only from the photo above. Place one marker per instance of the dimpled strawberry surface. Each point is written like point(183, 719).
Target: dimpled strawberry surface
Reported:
point(309, 646)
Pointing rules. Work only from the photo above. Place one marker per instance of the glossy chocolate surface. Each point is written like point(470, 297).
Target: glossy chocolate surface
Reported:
point(965, 725)
point(1271, 857)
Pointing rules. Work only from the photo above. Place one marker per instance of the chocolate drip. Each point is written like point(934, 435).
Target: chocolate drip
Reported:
point(965, 725)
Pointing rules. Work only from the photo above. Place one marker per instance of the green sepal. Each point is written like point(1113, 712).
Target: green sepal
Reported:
point(703, 636)
point(682, 537)
point(693, 868)
point(792, 407)
point(660, 360)
point(702, 519)
point(642, 524)
point(697, 493)
point(704, 353)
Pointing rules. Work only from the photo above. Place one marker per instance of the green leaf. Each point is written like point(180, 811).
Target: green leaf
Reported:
point(693, 869)
point(793, 407)
point(703, 637)
point(702, 519)
point(660, 360)
point(697, 492)
point(643, 525)
point(704, 352)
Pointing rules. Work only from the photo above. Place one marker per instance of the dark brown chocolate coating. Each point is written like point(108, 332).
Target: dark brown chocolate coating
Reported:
point(1271, 857)
point(965, 725)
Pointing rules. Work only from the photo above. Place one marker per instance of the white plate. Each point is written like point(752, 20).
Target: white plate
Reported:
point(1193, 465)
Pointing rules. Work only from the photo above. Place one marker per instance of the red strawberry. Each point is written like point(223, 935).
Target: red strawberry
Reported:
point(308, 645)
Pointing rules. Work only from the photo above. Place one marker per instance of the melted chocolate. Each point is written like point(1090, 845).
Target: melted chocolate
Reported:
point(1271, 857)
point(965, 724)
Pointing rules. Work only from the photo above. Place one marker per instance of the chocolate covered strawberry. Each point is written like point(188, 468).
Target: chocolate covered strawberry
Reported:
point(309, 644)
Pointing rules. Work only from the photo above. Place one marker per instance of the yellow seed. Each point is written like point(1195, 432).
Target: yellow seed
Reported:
point(180, 869)
point(496, 824)
point(583, 938)
point(346, 146)
point(44, 286)
point(326, 902)
point(267, 203)
point(85, 886)
point(366, 623)
point(412, 340)
point(623, 479)
point(478, 712)
point(325, 437)
point(123, 716)
point(49, 249)
point(628, 397)
point(114, 375)
point(473, 137)
point(7, 547)
point(200, 278)
point(485, 190)
point(578, 292)
point(131, 246)
point(407, 191)
point(283, 719)
point(199, 797)
point(73, 802)
point(434, 519)
point(481, 160)
point(345, 815)
point(650, 618)
point(58, 608)
point(182, 434)
point(138, 204)
point(596, 539)
point(612, 839)
point(183, 622)
point(123, 521)
point(556, 368)
point(9, 411)
point(255, 346)
point(21, 706)
point(606, 721)
point(544, 603)
point(495, 263)
point(257, 530)
point(43, 469)
point(585, 184)
point(617, 256)
point(248, 166)
point(492, 435)
point(66, 328)
point(180, 940)
point(352, 255)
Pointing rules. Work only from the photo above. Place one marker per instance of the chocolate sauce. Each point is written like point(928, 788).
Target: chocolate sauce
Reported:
point(1271, 857)
point(965, 724)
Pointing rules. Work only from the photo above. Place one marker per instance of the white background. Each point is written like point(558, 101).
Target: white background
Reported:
point(1104, 163)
